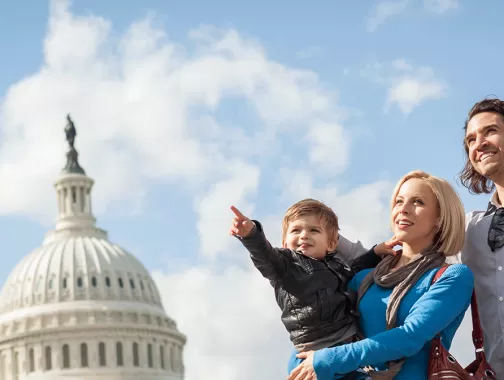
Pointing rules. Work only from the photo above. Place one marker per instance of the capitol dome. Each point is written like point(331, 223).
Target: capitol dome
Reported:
point(80, 307)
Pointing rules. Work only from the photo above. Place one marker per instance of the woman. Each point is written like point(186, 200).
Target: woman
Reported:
point(401, 311)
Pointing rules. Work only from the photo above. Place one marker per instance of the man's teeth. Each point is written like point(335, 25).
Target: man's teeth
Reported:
point(403, 223)
point(486, 155)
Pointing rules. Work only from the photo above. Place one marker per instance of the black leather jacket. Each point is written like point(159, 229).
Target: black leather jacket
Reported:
point(312, 293)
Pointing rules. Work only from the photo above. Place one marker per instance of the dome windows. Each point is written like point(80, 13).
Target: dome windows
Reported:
point(102, 354)
point(66, 356)
point(132, 283)
point(48, 358)
point(136, 359)
point(31, 360)
point(119, 354)
point(79, 282)
point(107, 281)
point(64, 283)
point(150, 360)
point(84, 355)
point(94, 282)
point(120, 281)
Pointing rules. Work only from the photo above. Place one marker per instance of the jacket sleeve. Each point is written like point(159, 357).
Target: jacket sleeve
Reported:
point(365, 261)
point(349, 250)
point(431, 314)
point(273, 263)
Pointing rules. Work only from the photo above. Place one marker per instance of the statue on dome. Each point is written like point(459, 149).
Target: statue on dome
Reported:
point(70, 132)
point(72, 165)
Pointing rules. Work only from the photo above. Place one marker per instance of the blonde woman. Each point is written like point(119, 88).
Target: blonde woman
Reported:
point(400, 310)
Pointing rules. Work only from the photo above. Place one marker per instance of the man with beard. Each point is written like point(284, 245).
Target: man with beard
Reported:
point(483, 251)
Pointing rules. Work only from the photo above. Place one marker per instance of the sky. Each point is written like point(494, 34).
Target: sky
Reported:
point(183, 108)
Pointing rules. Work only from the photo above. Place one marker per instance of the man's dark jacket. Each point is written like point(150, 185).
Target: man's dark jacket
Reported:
point(312, 293)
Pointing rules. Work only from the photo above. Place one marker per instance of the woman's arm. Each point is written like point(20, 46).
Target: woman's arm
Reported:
point(433, 312)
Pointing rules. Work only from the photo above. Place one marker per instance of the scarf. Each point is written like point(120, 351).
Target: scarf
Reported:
point(401, 280)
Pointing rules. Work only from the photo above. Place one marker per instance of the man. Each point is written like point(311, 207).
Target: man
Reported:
point(484, 246)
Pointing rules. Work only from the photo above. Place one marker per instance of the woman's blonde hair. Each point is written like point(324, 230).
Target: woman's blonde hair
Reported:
point(450, 236)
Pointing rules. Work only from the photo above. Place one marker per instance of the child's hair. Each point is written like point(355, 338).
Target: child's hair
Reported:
point(312, 207)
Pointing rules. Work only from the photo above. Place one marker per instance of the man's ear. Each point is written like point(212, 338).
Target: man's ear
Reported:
point(284, 244)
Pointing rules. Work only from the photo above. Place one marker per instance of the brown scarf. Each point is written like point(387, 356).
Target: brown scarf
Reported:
point(401, 280)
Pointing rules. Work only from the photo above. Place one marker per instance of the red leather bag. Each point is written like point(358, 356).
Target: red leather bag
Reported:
point(442, 365)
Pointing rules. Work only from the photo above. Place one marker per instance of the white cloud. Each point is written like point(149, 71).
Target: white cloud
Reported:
point(232, 322)
point(383, 11)
point(409, 92)
point(407, 86)
point(213, 208)
point(440, 6)
point(325, 137)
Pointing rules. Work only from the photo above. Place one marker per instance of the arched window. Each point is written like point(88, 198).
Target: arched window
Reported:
point(16, 365)
point(32, 360)
point(150, 361)
point(119, 354)
point(64, 283)
point(161, 357)
point(93, 281)
point(121, 285)
point(66, 356)
point(172, 358)
point(102, 354)
point(84, 355)
point(132, 283)
point(79, 282)
point(107, 281)
point(136, 359)
point(48, 358)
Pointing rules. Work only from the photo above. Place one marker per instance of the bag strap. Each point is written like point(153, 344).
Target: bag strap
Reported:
point(477, 333)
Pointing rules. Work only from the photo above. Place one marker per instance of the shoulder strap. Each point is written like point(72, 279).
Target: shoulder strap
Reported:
point(439, 273)
point(477, 333)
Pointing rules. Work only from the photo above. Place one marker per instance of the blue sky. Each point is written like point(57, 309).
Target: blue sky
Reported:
point(256, 104)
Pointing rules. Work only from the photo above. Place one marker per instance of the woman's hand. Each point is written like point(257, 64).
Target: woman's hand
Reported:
point(305, 370)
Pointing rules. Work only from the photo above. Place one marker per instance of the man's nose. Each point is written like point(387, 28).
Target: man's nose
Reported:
point(480, 142)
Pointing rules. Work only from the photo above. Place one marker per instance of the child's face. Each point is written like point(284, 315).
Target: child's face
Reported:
point(308, 235)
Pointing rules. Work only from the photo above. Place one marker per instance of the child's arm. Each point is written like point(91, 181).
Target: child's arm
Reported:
point(271, 262)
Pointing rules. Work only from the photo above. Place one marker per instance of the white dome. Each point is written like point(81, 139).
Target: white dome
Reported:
point(82, 308)
point(78, 268)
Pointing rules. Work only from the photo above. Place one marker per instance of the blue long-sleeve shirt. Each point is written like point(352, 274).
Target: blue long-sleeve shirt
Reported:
point(425, 311)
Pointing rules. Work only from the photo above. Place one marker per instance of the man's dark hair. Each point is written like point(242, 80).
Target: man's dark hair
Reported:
point(470, 178)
